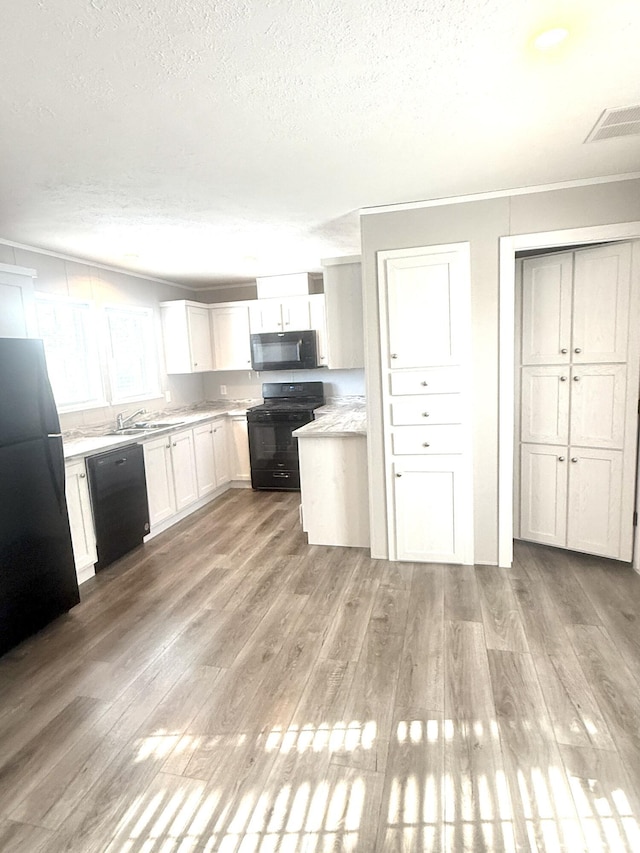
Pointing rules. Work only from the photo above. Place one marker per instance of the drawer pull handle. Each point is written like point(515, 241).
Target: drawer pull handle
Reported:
point(394, 355)
point(576, 379)
point(425, 414)
point(424, 382)
point(560, 458)
point(574, 458)
point(425, 444)
point(564, 350)
point(577, 349)
point(563, 379)
point(398, 475)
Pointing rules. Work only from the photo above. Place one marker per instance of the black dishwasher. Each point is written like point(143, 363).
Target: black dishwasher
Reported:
point(118, 489)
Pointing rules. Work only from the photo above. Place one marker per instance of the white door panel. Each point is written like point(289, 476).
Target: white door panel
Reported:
point(602, 279)
point(546, 309)
point(545, 404)
point(543, 505)
point(595, 501)
point(598, 405)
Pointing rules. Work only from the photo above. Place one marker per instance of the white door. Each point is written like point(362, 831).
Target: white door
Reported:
point(205, 459)
point(265, 315)
point(200, 338)
point(159, 473)
point(296, 314)
point(602, 278)
point(221, 452)
point(432, 502)
point(230, 333)
point(598, 405)
point(424, 312)
point(546, 309)
point(543, 493)
point(544, 413)
point(184, 468)
point(595, 518)
point(80, 517)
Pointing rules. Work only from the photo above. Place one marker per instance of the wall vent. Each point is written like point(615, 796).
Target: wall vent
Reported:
point(620, 121)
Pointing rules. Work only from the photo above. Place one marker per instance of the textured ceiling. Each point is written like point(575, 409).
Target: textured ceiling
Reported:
point(204, 141)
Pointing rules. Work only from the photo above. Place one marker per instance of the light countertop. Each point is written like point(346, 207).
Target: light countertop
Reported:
point(85, 442)
point(339, 418)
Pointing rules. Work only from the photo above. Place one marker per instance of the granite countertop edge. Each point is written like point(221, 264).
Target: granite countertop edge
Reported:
point(336, 420)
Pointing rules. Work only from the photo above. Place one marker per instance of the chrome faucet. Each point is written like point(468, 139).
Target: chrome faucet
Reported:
point(121, 421)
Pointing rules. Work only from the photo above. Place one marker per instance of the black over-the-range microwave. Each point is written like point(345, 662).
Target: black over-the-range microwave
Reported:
point(284, 350)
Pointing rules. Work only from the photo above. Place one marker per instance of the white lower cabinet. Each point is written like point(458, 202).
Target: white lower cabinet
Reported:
point(161, 493)
point(431, 504)
point(80, 519)
point(183, 461)
point(211, 456)
point(572, 498)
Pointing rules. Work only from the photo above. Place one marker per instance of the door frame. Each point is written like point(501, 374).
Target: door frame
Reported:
point(506, 355)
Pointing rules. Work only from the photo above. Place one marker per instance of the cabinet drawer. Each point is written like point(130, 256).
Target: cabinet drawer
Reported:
point(427, 439)
point(430, 409)
point(434, 380)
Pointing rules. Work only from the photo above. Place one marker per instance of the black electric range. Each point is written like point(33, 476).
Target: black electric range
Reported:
point(273, 451)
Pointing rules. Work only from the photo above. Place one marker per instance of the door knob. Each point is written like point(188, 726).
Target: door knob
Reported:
point(564, 350)
point(563, 379)
point(82, 476)
point(577, 349)
point(574, 458)
point(561, 458)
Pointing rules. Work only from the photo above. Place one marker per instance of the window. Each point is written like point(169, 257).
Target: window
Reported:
point(67, 328)
point(133, 361)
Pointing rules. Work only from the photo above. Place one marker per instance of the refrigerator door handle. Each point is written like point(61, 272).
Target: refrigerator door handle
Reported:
point(55, 464)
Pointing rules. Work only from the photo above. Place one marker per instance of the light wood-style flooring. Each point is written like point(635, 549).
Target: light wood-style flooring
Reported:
point(227, 687)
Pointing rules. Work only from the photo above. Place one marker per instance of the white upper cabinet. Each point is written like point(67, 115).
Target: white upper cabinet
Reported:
point(230, 333)
point(287, 314)
point(187, 336)
point(17, 309)
point(423, 312)
point(601, 303)
point(546, 309)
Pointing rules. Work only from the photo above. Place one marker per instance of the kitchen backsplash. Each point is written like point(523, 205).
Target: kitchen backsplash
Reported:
point(241, 385)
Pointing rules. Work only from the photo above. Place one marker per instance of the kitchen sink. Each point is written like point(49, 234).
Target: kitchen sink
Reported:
point(157, 424)
point(129, 431)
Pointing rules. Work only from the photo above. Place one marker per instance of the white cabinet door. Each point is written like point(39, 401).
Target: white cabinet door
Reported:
point(230, 333)
point(319, 323)
point(204, 459)
point(342, 299)
point(432, 506)
point(602, 279)
point(80, 517)
point(546, 309)
point(595, 503)
point(296, 314)
point(598, 405)
point(221, 451)
point(265, 315)
point(200, 338)
point(239, 450)
point(426, 305)
point(184, 468)
point(543, 500)
point(545, 404)
point(17, 302)
point(159, 473)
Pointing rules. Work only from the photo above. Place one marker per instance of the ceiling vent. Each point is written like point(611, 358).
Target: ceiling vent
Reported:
point(620, 121)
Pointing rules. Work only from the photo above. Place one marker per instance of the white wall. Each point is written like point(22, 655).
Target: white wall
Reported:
point(105, 287)
point(482, 223)
point(247, 385)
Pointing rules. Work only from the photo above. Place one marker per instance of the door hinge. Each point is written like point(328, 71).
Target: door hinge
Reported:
point(635, 519)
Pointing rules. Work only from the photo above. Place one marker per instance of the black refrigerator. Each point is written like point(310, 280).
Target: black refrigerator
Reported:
point(37, 573)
